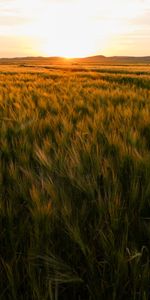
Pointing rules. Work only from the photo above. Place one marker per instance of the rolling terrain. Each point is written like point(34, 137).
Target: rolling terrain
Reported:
point(99, 59)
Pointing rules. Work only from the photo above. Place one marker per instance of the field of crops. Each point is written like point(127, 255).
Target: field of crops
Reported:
point(74, 183)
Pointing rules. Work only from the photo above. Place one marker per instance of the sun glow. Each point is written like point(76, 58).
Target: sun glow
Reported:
point(68, 48)
point(71, 34)
point(81, 28)
point(73, 28)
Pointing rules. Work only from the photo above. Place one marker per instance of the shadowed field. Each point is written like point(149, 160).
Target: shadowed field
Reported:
point(74, 181)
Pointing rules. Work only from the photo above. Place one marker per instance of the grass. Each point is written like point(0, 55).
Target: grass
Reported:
point(75, 183)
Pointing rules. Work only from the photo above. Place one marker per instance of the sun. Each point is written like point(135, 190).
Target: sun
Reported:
point(68, 47)
point(67, 31)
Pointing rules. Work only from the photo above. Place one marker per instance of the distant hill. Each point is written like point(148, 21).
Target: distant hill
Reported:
point(28, 59)
point(99, 59)
point(118, 59)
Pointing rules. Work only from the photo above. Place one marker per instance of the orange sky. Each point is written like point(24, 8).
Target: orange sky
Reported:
point(74, 28)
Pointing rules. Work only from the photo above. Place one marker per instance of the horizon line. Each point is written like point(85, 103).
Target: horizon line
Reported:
point(69, 58)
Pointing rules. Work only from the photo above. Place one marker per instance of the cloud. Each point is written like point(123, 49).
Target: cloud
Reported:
point(143, 19)
point(13, 20)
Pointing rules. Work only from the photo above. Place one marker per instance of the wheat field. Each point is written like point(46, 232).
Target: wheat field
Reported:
point(75, 182)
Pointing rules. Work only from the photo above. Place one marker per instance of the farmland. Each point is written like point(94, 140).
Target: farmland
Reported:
point(74, 181)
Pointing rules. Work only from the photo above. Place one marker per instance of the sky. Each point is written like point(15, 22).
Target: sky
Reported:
point(74, 28)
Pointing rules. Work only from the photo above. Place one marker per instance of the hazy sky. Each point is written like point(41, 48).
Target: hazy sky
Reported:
point(74, 27)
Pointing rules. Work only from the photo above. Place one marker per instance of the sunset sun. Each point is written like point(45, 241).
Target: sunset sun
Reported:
point(71, 34)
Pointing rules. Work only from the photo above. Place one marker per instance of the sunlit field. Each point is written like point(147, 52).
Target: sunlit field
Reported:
point(74, 182)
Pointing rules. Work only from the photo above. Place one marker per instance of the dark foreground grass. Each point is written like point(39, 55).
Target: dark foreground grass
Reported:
point(75, 185)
